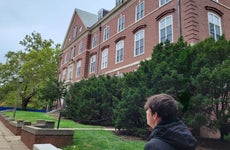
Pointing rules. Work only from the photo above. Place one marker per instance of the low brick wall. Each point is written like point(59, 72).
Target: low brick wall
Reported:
point(44, 123)
point(16, 126)
point(5, 120)
point(31, 135)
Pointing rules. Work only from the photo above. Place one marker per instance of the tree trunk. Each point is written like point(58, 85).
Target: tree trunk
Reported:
point(26, 100)
point(24, 103)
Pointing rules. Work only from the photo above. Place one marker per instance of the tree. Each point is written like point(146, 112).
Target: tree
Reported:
point(36, 64)
point(91, 101)
point(166, 72)
point(52, 90)
point(210, 80)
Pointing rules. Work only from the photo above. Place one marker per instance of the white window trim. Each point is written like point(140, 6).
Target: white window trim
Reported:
point(137, 19)
point(159, 30)
point(135, 36)
point(219, 24)
point(70, 72)
point(63, 75)
point(78, 69)
point(166, 1)
point(106, 33)
point(66, 58)
point(80, 48)
point(72, 52)
point(121, 22)
point(92, 61)
point(118, 45)
point(104, 58)
point(94, 41)
point(74, 31)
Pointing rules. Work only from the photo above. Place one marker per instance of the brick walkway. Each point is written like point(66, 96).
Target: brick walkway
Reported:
point(8, 141)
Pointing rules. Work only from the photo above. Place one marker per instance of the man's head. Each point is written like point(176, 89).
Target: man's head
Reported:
point(160, 107)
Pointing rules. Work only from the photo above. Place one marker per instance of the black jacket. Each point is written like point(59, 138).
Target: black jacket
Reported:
point(171, 136)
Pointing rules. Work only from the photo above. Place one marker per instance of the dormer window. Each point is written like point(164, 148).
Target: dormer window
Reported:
point(118, 2)
point(101, 13)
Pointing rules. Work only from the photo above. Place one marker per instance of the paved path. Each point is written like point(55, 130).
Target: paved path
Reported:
point(8, 141)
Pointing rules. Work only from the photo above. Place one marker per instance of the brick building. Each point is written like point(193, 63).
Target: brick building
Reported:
point(114, 42)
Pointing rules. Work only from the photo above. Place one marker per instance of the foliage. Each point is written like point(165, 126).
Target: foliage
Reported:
point(164, 73)
point(51, 90)
point(36, 64)
point(197, 76)
point(91, 101)
point(211, 83)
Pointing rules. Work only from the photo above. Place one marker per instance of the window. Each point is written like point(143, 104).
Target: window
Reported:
point(66, 58)
point(118, 2)
point(72, 52)
point(104, 59)
point(63, 75)
point(106, 33)
point(78, 69)
point(120, 51)
point(121, 23)
point(162, 2)
point(74, 31)
point(214, 26)
point(92, 64)
point(80, 49)
point(140, 11)
point(70, 73)
point(94, 41)
point(165, 29)
point(215, 0)
point(139, 43)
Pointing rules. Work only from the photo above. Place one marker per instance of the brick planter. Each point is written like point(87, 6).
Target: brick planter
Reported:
point(31, 135)
point(15, 127)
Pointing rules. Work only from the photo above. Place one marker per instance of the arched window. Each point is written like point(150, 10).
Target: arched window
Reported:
point(166, 29)
point(139, 40)
point(78, 69)
point(120, 51)
point(104, 59)
point(92, 64)
point(214, 23)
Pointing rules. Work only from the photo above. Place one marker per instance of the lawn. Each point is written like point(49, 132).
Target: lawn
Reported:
point(85, 139)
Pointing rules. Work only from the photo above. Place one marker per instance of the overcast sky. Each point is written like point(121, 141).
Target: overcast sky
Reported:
point(50, 18)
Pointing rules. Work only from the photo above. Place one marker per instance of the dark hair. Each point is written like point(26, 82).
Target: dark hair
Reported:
point(165, 106)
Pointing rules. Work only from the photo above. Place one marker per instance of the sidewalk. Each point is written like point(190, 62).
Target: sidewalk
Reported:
point(8, 141)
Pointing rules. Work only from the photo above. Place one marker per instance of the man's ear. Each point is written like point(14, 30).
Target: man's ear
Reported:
point(155, 115)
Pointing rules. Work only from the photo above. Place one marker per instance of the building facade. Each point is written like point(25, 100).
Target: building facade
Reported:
point(115, 42)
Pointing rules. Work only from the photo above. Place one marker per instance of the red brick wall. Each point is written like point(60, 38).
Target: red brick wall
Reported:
point(194, 23)
point(59, 141)
point(15, 130)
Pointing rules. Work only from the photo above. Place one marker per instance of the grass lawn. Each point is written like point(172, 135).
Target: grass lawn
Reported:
point(33, 116)
point(102, 140)
point(85, 139)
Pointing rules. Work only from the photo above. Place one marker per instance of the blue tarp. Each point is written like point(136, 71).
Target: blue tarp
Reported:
point(29, 109)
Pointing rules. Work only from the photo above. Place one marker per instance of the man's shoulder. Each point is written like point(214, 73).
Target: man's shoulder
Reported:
point(157, 144)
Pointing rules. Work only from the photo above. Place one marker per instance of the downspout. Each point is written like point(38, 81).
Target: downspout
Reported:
point(98, 52)
point(179, 18)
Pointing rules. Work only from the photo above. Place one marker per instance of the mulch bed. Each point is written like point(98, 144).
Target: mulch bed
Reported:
point(212, 144)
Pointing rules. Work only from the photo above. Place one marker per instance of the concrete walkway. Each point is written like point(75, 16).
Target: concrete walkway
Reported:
point(8, 141)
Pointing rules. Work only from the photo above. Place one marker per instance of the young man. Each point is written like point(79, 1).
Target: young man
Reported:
point(169, 133)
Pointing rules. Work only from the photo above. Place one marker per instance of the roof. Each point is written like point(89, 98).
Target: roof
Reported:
point(87, 18)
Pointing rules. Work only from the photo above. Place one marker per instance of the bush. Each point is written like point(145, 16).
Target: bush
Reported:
point(91, 101)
